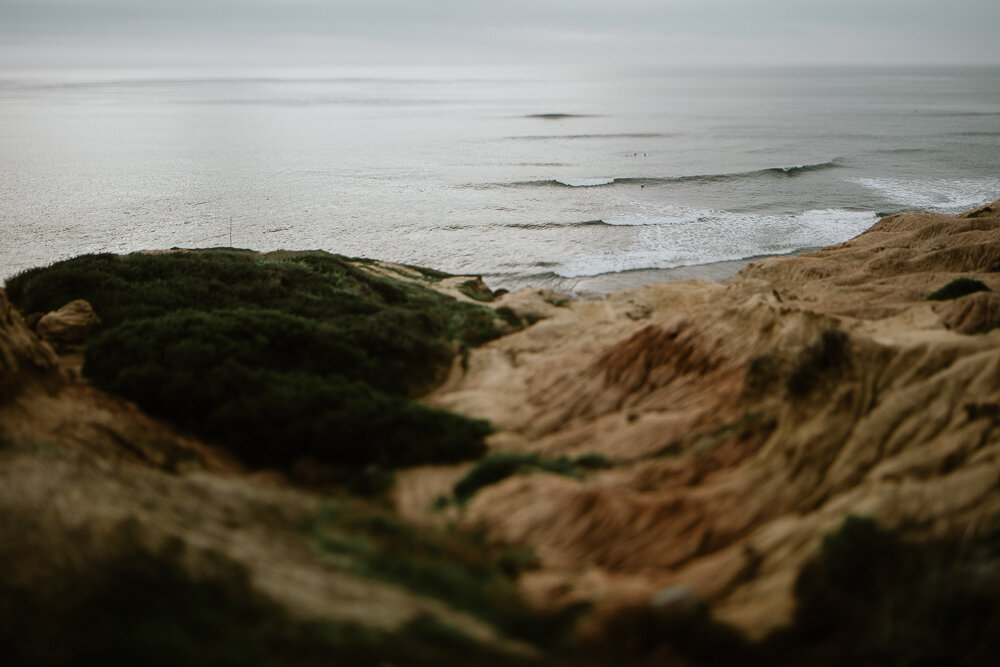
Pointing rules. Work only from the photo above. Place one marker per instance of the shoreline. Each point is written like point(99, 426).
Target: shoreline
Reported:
point(589, 288)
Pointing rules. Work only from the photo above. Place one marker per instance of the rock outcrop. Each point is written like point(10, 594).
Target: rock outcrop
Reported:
point(25, 362)
point(747, 418)
point(70, 325)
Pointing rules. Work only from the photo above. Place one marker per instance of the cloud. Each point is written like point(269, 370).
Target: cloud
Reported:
point(330, 32)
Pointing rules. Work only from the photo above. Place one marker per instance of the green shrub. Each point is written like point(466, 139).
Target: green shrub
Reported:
point(958, 288)
point(430, 629)
point(872, 598)
point(455, 567)
point(413, 325)
point(274, 388)
point(645, 634)
point(498, 466)
point(143, 609)
point(855, 551)
point(490, 469)
point(516, 560)
point(276, 356)
point(593, 461)
point(371, 481)
point(474, 290)
point(138, 609)
point(825, 357)
point(432, 275)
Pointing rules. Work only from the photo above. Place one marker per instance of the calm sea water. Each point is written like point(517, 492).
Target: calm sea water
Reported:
point(575, 179)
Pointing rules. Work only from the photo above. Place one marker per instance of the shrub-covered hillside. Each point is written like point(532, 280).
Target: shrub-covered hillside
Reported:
point(277, 357)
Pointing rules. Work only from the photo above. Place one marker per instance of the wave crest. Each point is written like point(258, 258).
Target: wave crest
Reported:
point(554, 225)
point(769, 172)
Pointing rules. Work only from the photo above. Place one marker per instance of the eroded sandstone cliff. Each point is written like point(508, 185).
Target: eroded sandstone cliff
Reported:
point(735, 425)
point(746, 419)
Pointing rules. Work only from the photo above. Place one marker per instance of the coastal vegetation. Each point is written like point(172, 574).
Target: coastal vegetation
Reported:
point(802, 463)
point(958, 288)
point(146, 609)
point(827, 356)
point(875, 598)
point(277, 357)
point(457, 567)
point(869, 597)
point(497, 466)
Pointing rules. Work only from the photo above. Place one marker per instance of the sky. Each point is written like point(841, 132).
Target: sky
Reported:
point(262, 33)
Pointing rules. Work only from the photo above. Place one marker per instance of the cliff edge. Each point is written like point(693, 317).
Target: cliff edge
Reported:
point(746, 419)
point(797, 465)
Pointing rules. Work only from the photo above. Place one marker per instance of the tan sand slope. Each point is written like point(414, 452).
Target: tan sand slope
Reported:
point(747, 418)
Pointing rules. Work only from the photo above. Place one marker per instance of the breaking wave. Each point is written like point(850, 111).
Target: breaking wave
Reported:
point(680, 241)
point(944, 194)
point(623, 135)
point(554, 225)
point(770, 172)
point(557, 116)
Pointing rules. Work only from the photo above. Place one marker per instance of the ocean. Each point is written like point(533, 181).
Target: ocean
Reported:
point(581, 180)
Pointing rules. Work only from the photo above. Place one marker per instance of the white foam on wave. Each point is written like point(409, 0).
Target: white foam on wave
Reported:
point(943, 194)
point(585, 182)
point(717, 236)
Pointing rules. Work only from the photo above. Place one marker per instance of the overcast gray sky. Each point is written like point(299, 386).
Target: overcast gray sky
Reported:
point(120, 33)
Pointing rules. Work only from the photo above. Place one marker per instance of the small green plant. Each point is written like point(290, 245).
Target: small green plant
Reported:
point(491, 469)
point(475, 291)
point(371, 481)
point(852, 553)
point(827, 356)
point(453, 566)
point(762, 373)
point(441, 502)
point(958, 288)
point(498, 466)
point(515, 560)
point(432, 275)
point(430, 629)
point(593, 461)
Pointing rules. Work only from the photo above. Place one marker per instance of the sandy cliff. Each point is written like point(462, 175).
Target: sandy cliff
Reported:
point(743, 421)
point(747, 418)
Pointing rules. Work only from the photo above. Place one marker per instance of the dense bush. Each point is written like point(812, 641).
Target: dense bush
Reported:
point(270, 418)
point(405, 321)
point(276, 356)
point(136, 609)
point(873, 598)
point(958, 288)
